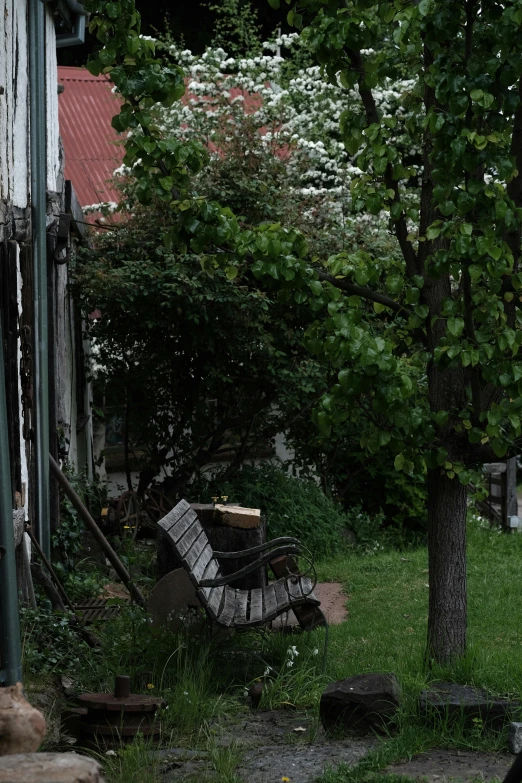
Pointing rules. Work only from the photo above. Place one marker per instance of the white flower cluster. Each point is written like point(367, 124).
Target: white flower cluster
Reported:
point(297, 118)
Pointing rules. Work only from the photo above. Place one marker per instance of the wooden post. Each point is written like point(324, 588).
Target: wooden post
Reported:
point(511, 504)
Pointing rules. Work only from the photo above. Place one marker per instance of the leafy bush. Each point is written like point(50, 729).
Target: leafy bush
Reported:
point(49, 643)
point(292, 506)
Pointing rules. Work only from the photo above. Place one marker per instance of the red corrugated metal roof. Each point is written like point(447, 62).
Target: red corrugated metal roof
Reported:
point(92, 147)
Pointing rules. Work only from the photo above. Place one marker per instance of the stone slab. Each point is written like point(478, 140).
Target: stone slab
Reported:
point(515, 737)
point(450, 766)
point(450, 700)
point(49, 768)
point(361, 704)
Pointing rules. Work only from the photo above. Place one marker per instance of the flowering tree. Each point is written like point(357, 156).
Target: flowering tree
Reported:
point(429, 332)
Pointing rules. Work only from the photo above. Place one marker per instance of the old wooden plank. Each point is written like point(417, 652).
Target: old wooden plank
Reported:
point(214, 601)
point(170, 519)
point(188, 538)
point(204, 559)
point(226, 615)
point(282, 597)
point(195, 550)
point(182, 525)
point(240, 616)
point(270, 600)
point(294, 588)
point(256, 605)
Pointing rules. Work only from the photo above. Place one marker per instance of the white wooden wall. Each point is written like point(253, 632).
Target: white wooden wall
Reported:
point(14, 104)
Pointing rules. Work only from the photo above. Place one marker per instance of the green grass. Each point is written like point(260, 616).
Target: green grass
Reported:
point(386, 630)
point(388, 607)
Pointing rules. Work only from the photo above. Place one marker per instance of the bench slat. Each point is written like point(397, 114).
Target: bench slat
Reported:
point(270, 600)
point(202, 563)
point(256, 605)
point(181, 526)
point(214, 600)
point(173, 516)
point(282, 597)
point(294, 588)
point(226, 616)
point(240, 615)
point(189, 536)
point(195, 550)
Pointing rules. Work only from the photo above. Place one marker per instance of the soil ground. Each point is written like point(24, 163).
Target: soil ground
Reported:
point(272, 745)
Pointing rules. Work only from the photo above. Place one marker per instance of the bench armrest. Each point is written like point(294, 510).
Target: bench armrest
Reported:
point(225, 580)
point(277, 542)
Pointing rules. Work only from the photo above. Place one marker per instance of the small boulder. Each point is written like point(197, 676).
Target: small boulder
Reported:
point(22, 727)
point(50, 768)
point(360, 704)
point(515, 737)
point(451, 701)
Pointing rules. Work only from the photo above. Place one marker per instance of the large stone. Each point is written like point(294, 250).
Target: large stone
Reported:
point(515, 737)
point(360, 704)
point(49, 768)
point(451, 701)
point(22, 727)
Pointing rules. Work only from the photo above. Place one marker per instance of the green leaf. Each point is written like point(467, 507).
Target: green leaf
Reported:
point(455, 326)
point(398, 462)
point(499, 446)
point(424, 7)
point(231, 272)
point(274, 3)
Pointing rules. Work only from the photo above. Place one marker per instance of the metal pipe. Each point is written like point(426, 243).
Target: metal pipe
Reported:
point(106, 548)
point(37, 108)
point(11, 654)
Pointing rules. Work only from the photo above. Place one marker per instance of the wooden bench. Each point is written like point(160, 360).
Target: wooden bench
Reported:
point(224, 604)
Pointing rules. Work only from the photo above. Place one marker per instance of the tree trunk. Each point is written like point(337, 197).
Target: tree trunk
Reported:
point(447, 617)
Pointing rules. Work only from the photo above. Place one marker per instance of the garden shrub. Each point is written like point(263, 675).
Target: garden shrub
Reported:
point(292, 506)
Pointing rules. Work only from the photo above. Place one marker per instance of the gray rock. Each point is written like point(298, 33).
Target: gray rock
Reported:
point(451, 701)
point(515, 737)
point(49, 768)
point(360, 704)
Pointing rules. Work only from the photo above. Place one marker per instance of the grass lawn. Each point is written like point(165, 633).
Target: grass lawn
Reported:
point(388, 607)
point(385, 632)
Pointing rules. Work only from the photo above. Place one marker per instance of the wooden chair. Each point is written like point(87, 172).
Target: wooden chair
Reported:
point(226, 605)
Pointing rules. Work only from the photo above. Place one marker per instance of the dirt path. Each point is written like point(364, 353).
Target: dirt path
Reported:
point(442, 766)
point(273, 745)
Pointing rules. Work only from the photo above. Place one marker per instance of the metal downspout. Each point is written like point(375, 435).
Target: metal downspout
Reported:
point(41, 510)
point(11, 654)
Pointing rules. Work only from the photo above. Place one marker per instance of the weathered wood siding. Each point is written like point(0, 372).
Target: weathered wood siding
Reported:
point(14, 105)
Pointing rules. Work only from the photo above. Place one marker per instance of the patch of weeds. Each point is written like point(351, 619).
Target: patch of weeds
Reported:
point(49, 643)
point(225, 760)
point(294, 681)
point(132, 762)
point(187, 681)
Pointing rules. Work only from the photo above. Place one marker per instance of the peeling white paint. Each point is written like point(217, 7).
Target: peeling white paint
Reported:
point(51, 98)
point(14, 103)
point(23, 454)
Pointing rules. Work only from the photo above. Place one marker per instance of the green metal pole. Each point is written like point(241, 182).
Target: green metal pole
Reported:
point(37, 107)
point(10, 649)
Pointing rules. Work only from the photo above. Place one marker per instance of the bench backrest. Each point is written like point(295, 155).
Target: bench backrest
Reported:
point(191, 544)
